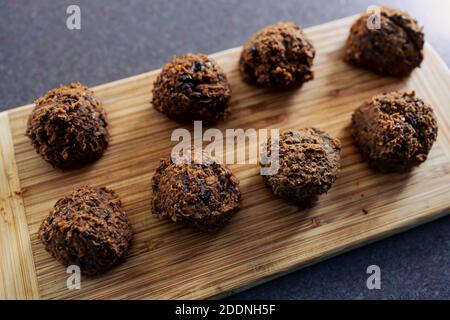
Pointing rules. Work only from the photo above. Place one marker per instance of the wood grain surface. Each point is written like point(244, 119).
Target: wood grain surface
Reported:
point(268, 236)
point(17, 273)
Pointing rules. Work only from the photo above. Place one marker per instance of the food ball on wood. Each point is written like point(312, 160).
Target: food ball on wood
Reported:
point(192, 87)
point(88, 228)
point(309, 161)
point(68, 127)
point(204, 196)
point(394, 49)
point(395, 131)
point(279, 56)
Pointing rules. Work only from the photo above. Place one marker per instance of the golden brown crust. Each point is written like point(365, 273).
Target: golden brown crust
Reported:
point(88, 228)
point(278, 56)
point(68, 127)
point(204, 196)
point(192, 87)
point(395, 131)
point(394, 50)
point(309, 161)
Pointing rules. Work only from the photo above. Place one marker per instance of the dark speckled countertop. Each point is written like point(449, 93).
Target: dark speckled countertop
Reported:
point(124, 38)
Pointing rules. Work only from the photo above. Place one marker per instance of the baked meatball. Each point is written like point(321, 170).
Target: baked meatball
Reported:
point(88, 228)
point(279, 56)
point(394, 131)
point(309, 161)
point(394, 49)
point(68, 127)
point(192, 87)
point(204, 196)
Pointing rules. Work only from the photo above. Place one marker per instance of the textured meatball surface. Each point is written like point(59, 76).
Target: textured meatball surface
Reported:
point(204, 196)
point(395, 131)
point(88, 228)
point(192, 87)
point(68, 127)
point(393, 50)
point(309, 162)
point(278, 56)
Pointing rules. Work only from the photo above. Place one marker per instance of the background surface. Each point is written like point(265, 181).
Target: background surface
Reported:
point(123, 38)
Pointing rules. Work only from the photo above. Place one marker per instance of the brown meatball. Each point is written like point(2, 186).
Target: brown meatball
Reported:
point(393, 50)
point(309, 161)
point(192, 87)
point(395, 131)
point(68, 127)
point(203, 195)
point(88, 228)
point(279, 56)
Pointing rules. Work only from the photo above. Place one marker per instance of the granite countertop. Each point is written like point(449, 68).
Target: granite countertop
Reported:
point(123, 38)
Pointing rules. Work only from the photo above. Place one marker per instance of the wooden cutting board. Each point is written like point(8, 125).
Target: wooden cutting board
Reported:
point(268, 237)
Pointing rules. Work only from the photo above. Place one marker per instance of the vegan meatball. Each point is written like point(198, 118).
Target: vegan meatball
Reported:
point(393, 49)
point(192, 87)
point(395, 131)
point(309, 161)
point(203, 195)
point(279, 56)
point(68, 127)
point(88, 228)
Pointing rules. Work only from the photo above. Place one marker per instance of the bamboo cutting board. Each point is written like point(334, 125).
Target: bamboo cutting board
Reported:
point(268, 237)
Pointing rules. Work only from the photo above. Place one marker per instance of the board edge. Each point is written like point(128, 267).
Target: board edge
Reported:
point(346, 249)
point(17, 269)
